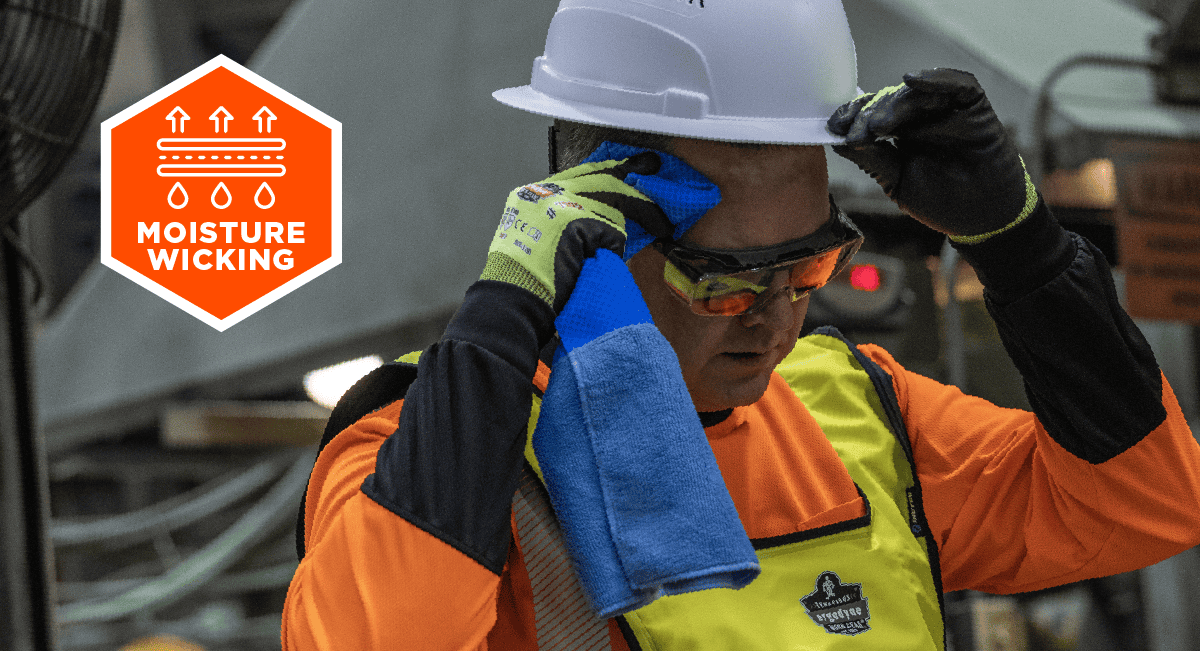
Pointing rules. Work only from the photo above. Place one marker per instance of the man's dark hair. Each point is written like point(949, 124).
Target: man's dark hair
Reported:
point(576, 140)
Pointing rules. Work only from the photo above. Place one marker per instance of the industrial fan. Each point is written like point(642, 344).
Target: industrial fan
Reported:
point(55, 57)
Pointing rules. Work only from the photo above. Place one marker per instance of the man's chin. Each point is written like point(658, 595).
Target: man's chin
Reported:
point(730, 394)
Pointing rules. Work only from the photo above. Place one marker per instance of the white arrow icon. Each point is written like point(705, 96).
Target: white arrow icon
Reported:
point(177, 113)
point(269, 116)
point(217, 119)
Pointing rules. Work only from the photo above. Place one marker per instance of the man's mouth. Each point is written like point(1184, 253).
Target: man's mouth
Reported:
point(744, 355)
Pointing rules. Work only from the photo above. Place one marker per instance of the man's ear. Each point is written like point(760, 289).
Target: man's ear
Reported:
point(647, 267)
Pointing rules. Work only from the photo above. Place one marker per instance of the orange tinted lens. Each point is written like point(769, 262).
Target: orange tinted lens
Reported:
point(814, 272)
point(726, 304)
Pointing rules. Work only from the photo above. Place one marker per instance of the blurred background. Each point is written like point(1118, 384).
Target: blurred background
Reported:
point(169, 459)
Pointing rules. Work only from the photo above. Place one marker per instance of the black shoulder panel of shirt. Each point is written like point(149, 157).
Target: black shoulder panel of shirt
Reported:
point(452, 465)
point(376, 390)
point(1090, 375)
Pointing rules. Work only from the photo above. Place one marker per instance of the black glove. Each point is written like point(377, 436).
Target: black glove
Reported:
point(938, 150)
point(549, 228)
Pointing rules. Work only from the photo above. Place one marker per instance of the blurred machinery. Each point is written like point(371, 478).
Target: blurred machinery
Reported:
point(871, 292)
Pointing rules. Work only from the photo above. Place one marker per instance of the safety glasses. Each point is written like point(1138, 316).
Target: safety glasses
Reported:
point(731, 282)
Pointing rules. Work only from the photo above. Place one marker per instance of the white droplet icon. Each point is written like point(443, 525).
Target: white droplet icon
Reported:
point(264, 189)
point(228, 197)
point(171, 198)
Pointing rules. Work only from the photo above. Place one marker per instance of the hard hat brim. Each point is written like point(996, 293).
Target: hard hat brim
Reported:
point(793, 131)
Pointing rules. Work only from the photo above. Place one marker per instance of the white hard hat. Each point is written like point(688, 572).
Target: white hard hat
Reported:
point(769, 71)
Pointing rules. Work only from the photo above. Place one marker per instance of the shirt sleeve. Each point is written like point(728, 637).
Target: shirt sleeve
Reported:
point(344, 594)
point(1102, 477)
point(408, 510)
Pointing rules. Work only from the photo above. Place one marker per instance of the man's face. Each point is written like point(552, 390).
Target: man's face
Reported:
point(768, 197)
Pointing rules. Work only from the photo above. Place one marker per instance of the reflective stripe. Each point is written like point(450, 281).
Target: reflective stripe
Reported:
point(564, 619)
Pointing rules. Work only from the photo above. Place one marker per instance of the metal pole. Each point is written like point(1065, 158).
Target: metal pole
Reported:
point(26, 563)
point(952, 331)
point(960, 610)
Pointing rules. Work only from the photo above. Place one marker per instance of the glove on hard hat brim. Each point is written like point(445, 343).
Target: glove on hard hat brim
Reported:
point(804, 131)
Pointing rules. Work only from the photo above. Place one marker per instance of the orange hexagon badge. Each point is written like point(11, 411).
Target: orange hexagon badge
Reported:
point(221, 192)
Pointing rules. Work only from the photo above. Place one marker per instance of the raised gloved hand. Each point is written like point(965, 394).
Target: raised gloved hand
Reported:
point(938, 150)
point(549, 228)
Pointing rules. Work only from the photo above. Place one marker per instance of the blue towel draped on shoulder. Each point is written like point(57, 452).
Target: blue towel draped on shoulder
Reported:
point(631, 476)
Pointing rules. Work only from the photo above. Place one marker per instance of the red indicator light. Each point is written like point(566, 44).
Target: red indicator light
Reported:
point(865, 277)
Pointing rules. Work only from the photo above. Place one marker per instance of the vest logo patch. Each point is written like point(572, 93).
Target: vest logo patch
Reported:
point(840, 607)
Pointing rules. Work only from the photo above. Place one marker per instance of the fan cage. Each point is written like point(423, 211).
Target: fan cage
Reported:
point(54, 64)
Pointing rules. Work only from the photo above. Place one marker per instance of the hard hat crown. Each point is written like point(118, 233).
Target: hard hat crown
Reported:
point(741, 70)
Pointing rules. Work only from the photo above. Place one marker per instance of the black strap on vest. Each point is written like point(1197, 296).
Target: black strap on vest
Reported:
point(375, 390)
point(882, 381)
point(883, 386)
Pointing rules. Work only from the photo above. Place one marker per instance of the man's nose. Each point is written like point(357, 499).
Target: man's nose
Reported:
point(775, 311)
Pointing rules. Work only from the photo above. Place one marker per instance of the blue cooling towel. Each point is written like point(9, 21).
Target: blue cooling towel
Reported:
point(683, 193)
point(643, 507)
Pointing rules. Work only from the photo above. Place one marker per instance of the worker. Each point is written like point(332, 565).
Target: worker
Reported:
point(621, 441)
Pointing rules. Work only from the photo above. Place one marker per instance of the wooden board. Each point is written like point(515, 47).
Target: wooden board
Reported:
point(213, 423)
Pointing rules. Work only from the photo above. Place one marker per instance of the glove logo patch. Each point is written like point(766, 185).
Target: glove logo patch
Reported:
point(508, 218)
point(535, 192)
point(839, 607)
